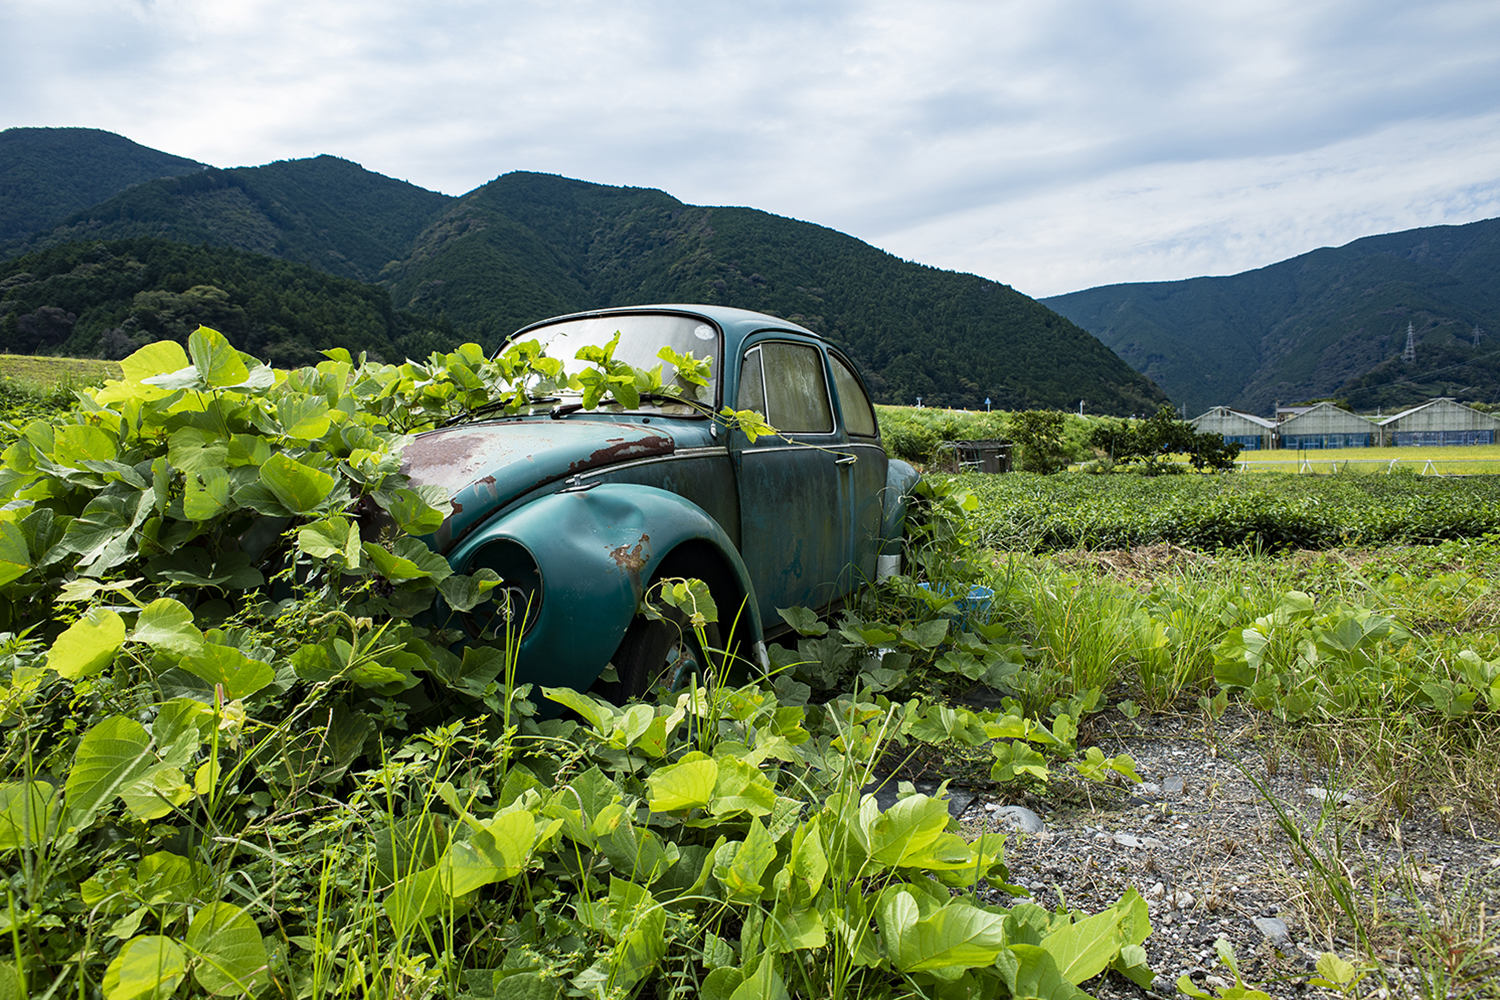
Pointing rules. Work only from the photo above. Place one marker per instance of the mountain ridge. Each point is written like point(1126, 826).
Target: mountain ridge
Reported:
point(1327, 323)
point(529, 245)
point(96, 163)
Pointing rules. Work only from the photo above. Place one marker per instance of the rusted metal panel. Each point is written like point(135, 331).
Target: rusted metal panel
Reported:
point(485, 465)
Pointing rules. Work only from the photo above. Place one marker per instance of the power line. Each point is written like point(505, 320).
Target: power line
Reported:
point(1436, 371)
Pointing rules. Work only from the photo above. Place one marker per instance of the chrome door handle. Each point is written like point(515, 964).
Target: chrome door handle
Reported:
point(846, 460)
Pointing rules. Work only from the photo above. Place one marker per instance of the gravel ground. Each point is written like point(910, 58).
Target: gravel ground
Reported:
point(1206, 850)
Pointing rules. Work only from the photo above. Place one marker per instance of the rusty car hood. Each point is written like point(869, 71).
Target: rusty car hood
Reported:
point(485, 465)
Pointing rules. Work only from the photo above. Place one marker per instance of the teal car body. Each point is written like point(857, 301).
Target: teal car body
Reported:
point(580, 511)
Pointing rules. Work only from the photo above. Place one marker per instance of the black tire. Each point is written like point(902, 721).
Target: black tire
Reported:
point(661, 653)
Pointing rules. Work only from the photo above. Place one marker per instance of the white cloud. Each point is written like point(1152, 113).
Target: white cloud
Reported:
point(1049, 145)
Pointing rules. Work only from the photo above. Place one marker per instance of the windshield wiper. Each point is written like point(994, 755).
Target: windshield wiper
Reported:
point(558, 412)
point(492, 407)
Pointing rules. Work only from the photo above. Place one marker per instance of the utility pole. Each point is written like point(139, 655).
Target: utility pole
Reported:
point(1410, 354)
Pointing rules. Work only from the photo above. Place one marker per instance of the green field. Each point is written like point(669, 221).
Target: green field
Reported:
point(330, 802)
point(1476, 459)
point(46, 373)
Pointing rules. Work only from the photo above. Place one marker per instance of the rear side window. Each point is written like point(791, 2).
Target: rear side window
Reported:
point(859, 416)
point(786, 383)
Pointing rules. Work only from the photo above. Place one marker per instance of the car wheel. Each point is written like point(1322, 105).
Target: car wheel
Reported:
point(661, 653)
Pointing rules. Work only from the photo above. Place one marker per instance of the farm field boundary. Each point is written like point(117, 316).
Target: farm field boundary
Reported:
point(1271, 510)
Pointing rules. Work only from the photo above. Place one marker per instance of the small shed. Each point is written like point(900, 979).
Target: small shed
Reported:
point(990, 455)
point(1327, 426)
point(1441, 421)
point(1247, 430)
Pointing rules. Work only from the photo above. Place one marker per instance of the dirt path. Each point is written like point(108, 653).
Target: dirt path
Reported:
point(1204, 847)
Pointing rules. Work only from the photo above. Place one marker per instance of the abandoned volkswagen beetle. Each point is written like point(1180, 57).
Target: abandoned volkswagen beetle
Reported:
point(581, 511)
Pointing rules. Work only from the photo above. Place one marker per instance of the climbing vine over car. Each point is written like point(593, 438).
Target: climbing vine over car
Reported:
point(242, 763)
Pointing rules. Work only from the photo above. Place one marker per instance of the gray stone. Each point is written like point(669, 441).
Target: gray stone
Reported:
point(1174, 785)
point(1275, 930)
point(1020, 819)
point(887, 794)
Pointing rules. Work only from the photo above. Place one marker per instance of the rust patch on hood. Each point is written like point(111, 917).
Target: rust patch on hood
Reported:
point(632, 559)
point(623, 450)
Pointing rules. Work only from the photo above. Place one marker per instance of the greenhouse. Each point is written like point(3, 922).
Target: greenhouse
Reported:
point(1440, 422)
point(1250, 432)
point(1327, 426)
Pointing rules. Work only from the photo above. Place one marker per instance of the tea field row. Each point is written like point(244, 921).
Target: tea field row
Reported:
point(1272, 510)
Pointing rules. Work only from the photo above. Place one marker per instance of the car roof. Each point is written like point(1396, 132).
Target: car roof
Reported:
point(737, 324)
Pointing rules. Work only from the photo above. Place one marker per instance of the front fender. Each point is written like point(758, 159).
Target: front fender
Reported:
point(900, 479)
point(596, 550)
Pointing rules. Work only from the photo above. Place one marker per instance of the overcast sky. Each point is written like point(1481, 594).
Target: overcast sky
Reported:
point(1049, 145)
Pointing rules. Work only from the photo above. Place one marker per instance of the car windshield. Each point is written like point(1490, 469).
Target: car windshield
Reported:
point(642, 335)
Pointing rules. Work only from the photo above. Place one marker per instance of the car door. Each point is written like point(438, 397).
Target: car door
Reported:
point(864, 470)
point(794, 503)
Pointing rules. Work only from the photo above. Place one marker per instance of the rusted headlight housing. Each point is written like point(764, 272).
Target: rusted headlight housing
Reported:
point(517, 602)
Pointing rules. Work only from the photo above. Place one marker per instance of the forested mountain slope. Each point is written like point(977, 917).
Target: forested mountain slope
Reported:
point(47, 174)
point(105, 299)
point(555, 245)
point(527, 246)
point(327, 212)
point(1327, 323)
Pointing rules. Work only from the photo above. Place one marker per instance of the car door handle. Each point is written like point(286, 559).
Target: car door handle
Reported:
point(846, 460)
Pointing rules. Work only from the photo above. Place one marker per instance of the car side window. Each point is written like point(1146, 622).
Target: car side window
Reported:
point(789, 378)
point(859, 416)
point(752, 387)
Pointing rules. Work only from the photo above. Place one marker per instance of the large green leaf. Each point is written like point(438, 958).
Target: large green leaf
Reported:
point(905, 830)
point(794, 928)
point(88, 645)
point(638, 924)
point(465, 593)
point(104, 533)
point(156, 793)
point(333, 537)
point(300, 488)
point(205, 494)
point(1084, 949)
point(110, 757)
point(154, 359)
point(167, 624)
point(74, 444)
point(303, 417)
point(147, 968)
point(410, 561)
point(765, 983)
point(493, 853)
point(240, 675)
point(26, 812)
point(218, 363)
point(229, 958)
point(741, 787)
point(412, 512)
point(741, 867)
point(15, 559)
point(414, 899)
point(164, 878)
point(1031, 974)
point(194, 450)
point(687, 784)
point(953, 938)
